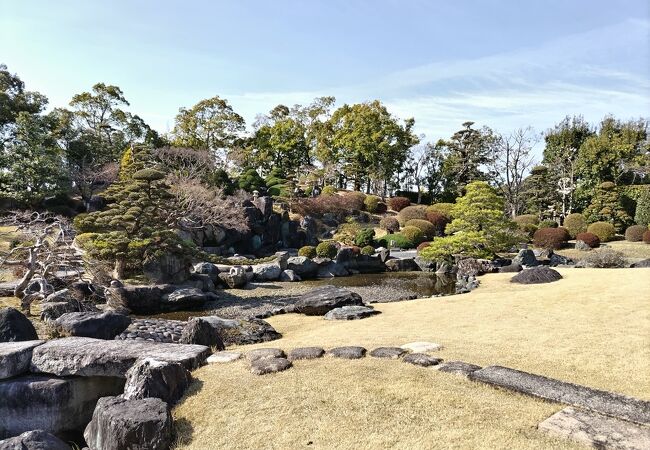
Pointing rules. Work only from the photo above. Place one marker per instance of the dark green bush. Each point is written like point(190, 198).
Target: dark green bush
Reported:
point(575, 223)
point(634, 233)
point(364, 237)
point(604, 230)
point(425, 226)
point(308, 251)
point(398, 239)
point(547, 224)
point(368, 250)
point(326, 250)
point(413, 234)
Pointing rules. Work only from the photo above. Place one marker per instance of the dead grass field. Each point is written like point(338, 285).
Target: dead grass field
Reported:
point(632, 250)
point(592, 328)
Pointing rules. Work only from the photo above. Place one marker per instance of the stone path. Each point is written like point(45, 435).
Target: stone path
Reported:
point(156, 330)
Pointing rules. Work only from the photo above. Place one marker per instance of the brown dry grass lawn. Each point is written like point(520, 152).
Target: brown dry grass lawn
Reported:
point(634, 251)
point(592, 327)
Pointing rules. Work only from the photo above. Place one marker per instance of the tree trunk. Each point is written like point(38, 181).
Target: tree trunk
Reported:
point(120, 265)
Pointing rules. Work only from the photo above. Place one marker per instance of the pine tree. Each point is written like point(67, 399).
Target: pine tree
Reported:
point(606, 206)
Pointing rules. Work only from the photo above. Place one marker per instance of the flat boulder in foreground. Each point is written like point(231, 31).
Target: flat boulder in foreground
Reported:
point(95, 357)
point(608, 403)
point(321, 300)
point(15, 357)
point(536, 275)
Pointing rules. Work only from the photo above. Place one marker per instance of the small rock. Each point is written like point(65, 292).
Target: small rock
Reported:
point(14, 326)
point(421, 359)
point(263, 366)
point(223, 357)
point(422, 347)
point(289, 275)
point(526, 257)
point(350, 352)
point(514, 267)
point(306, 353)
point(387, 352)
point(351, 313)
point(264, 353)
point(201, 332)
point(151, 378)
point(458, 367)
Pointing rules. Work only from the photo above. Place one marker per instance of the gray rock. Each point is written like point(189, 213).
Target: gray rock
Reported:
point(202, 332)
point(267, 272)
point(642, 263)
point(14, 326)
point(425, 265)
point(582, 245)
point(206, 268)
point(223, 357)
point(105, 325)
point(43, 402)
point(15, 357)
point(421, 359)
point(402, 265)
point(185, 298)
point(558, 260)
point(264, 353)
point(168, 268)
point(608, 403)
point(383, 253)
point(34, 440)
point(349, 352)
point(244, 332)
point(332, 269)
point(139, 299)
point(53, 310)
point(118, 424)
point(306, 353)
point(387, 352)
point(235, 278)
point(160, 379)
point(458, 367)
point(536, 275)
point(444, 267)
point(289, 275)
point(95, 357)
point(596, 430)
point(511, 268)
point(263, 366)
point(351, 313)
point(422, 347)
point(302, 266)
point(321, 300)
point(525, 257)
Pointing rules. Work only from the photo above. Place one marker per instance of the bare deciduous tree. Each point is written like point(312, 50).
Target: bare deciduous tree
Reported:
point(186, 163)
point(88, 177)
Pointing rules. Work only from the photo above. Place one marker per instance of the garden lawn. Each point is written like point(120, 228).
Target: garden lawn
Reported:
point(592, 328)
point(634, 251)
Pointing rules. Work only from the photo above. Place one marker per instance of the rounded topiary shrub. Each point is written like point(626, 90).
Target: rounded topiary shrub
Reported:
point(553, 238)
point(604, 230)
point(529, 229)
point(547, 224)
point(326, 250)
point(423, 245)
point(368, 250)
point(525, 219)
point(356, 199)
point(371, 203)
point(397, 239)
point(328, 190)
point(646, 237)
point(413, 234)
point(441, 208)
point(589, 238)
point(424, 225)
point(308, 250)
point(364, 237)
point(438, 220)
point(390, 224)
point(634, 233)
point(412, 212)
point(398, 203)
point(575, 223)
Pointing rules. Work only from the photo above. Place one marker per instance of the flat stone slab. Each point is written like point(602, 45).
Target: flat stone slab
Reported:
point(96, 357)
point(223, 357)
point(596, 430)
point(422, 347)
point(351, 313)
point(263, 353)
point(321, 300)
point(458, 367)
point(349, 352)
point(306, 353)
point(15, 357)
point(34, 440)
point(269, 365)
point(387, 352)
point(608, 403)
point(421, 359)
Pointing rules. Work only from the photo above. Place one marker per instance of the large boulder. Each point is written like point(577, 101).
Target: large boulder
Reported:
point(207, 268)
point(536, 275)
point(323, 299)
point(14, 326)
point(234, 278)
point(104, 325)
point(34, 440)
point(151, 378)
point(289, 275)
point(202, 332)
point(302, 266)
point(267, 272)
point(44, 402)
point(118, 424)
point(243, 332)
point(168, 268)
point(402, 265)
point(15, 357)
point(185, 298)
point(525, 257)
point(139, 299)
point(95, 357)
point(331, 269)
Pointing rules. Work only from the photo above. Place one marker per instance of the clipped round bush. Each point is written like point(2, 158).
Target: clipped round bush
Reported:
point(646, 237)
point(413, 234)
point(425, 226)
point(368, 250)
point(575, 223)
point(439, 221)
point(398, 203)
point(356, 199)
point(526, 219)
point(390, 224)
point(328, 190)
point(423, 245)
point(547, 224)
point(634, 233)
point(397, 239)
point(604, 230)
point(412, 212)
point(326, 250)
point(308, 251)
point(364, 237)
point(552, 238)
point(588, 238)
point(529, 229)
point(371, 202)
point(441, 208)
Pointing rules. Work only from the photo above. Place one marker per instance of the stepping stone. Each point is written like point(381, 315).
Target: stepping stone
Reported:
point(608, 403)
point(422, 347)
point(596, 430)
point(458, 367)
point(350, 352)
point(269, 365)
point(421, 359)
point(223, 357)
point(263, 353)
point(306, 353)
point(387, 352)
point(351, 313)
point(15, 357)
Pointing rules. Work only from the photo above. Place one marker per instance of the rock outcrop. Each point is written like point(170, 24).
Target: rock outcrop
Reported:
point(151, 378)
point(322, 300)
point(104, 325)
point(15, 357)
point(14, 326)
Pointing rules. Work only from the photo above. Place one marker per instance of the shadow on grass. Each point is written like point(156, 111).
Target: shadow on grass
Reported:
point(183, 429)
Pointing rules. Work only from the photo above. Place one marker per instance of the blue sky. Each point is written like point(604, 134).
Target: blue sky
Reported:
point(504, 64)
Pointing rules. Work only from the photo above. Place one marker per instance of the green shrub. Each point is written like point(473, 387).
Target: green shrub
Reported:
point(425, 226)
point(646, 237)
point(642, 214)
point(398, 239)
point(412, 212)
point(442, 208)
point(529, 229)
point(604, 230)
point(390, 224)
point(575, 223)
point(589, 238)
point(468, 243)
point(525, 219)
point(547, 224)
point(634, 233)
point(364, 237)
point(607, 205)
point(553, 238)
point(371, 202)
point(328, 190)
point(398, 203)
point(413, 234)
point(603, 258)
point(326, 250)
point(368, 250)
point(347, 232)
point(308, 251)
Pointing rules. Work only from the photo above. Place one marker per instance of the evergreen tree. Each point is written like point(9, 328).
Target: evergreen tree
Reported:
point(606, 206)
point(642, 214)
